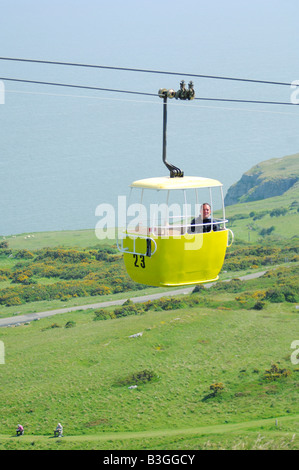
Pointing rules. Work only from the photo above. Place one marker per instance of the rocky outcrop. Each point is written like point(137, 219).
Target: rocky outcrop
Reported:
point(261, 182)
point(251, 189)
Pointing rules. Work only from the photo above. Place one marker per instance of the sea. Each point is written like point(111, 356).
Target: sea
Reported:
point(65, 151)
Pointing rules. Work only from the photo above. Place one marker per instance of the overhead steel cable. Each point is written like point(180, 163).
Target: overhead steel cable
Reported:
point(245, 101)
point(86, 87)
point(128, 69)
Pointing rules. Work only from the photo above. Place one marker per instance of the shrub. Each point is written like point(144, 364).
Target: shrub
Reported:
point(198, 288)
point(11, 300)
point(52, 326)
point(24, 254)
point(102, 314)
point(234, 285)
point(267, 231)
point(275, 295)
point(278, 212)
point(216, 388)
point(260, 215)
point(291, 297)
point(259, 305)
point(22, 277)
point(128, 308)
point(141, 377)
point(275, 373)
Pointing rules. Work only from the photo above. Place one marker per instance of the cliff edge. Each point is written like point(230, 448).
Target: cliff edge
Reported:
point(267, 179)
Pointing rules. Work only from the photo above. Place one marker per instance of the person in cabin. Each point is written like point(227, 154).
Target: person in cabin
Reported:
point(203, 223)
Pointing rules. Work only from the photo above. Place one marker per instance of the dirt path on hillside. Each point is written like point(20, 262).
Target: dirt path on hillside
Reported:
point(10, 321)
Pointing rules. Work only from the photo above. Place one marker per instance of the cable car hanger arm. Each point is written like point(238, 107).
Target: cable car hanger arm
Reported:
point(182, 94)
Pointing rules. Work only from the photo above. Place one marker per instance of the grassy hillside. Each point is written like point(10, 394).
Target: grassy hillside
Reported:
point(67, 238)
point(253, 221)
point(245, 219)
point(80, 375)
point(55, 278)
point(267, 216)
point(267, 179)
point(276, 167)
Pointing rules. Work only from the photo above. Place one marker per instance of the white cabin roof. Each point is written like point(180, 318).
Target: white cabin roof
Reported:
point(185, 182)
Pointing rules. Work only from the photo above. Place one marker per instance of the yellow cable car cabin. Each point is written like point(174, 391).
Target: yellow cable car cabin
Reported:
point(167, 244)
point(171, 242)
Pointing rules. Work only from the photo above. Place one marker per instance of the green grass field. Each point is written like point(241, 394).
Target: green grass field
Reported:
point(67, 238)
point(248, 227)
point(78, 376)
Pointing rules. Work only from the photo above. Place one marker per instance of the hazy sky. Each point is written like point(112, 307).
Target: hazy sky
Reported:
point(192, 36)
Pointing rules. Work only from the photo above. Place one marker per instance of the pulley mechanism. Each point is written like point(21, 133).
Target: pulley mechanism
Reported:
point(182, 94)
